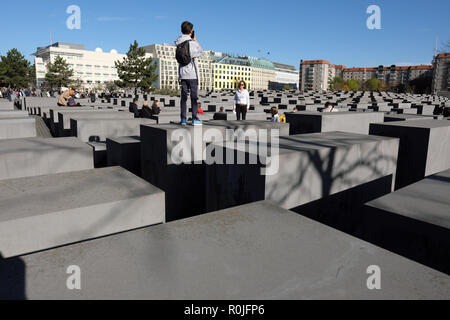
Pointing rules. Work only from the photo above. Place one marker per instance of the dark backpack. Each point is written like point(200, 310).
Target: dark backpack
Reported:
point(183, 53)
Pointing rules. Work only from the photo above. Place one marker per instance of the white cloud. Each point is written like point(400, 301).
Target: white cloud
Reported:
point(113, 19)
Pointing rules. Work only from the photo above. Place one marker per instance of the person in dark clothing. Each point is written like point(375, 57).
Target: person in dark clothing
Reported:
point(155, 108)
point(134, 108)
point(146, 112)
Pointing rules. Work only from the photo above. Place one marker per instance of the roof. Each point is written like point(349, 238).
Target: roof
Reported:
point(315, 62)
point(443, 55)
point(260, 63)
point(422, 67)
point(284, 66)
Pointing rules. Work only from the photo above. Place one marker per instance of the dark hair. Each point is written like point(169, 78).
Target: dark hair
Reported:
point(328, 104)
point(186, 27)
point(135, 100)
point(239, 84)
point(274, 110)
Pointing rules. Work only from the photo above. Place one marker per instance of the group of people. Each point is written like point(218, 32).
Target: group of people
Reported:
point(146, 111)
point(13, 94)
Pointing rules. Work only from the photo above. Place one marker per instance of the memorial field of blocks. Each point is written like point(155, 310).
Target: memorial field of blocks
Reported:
point(303, 216)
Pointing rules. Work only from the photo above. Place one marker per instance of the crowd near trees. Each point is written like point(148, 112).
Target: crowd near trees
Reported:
point(421, 85)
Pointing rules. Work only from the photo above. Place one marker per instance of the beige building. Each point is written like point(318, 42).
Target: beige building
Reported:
point(441, 75)
point(316, 75)
point(168, 67)
point(262, 73)
point(91, 67)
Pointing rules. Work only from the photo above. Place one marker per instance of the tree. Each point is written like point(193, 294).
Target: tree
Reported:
point(337, 84)
point(135, 70)
point(14, 70)
point(287, 87)
point(353, 84)
point(111, 86)
point(32, 75)
point(77, 84)
point(373, 84)
point(59, 73)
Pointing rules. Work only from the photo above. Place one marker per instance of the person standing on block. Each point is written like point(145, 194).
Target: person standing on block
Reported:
point(241, 101)
point(187, 52)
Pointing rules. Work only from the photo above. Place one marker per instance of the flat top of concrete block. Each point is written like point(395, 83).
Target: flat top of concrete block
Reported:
point(256, 251)
point(17, 119)
point(406, 116)
point(98, 146)
point(115, 120)
point(40, 144)
point(321, 140)
point(132, 139)
point(427, 200)
point(24, 197)
point(426, 123)
point(333, 114)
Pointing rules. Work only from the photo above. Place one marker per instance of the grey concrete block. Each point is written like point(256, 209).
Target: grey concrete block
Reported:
point(125, 152)
point(43, 212)
point(35, 156)
point(13, 128)
point(353, 122)
point(414, 221)
point(255, 252)
point(99, 129)
point(13, 114)
point(65, 116)
point(310, 167)
point(423, 147)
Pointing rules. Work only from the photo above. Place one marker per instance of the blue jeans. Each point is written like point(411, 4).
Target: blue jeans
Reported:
point(186, 86)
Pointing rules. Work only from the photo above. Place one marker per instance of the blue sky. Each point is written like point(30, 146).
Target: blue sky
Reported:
point(290, 30)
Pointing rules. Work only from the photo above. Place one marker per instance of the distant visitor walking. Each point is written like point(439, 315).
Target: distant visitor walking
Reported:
point(187, 52)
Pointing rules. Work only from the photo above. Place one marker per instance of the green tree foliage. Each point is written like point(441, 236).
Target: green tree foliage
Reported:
point(111, 86)
point(32, 75)
point(373, 84)
point(59, 74)
point(353, 84)
point(287, 87)
point(135, 70)
point(337, 84)
point(14, 70)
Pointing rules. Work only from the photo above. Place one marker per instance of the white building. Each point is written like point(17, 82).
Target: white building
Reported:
point(91, 67)
point(168, 67)
point(284, 75)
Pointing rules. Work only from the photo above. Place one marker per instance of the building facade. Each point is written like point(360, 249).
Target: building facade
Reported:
point(262, 73)
point(168, 67)
point(391, 76)
point(441, 75)
point(285, 75)
point(228, 71)
point(315, 75)
point(90, 67)
point(318, 74)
